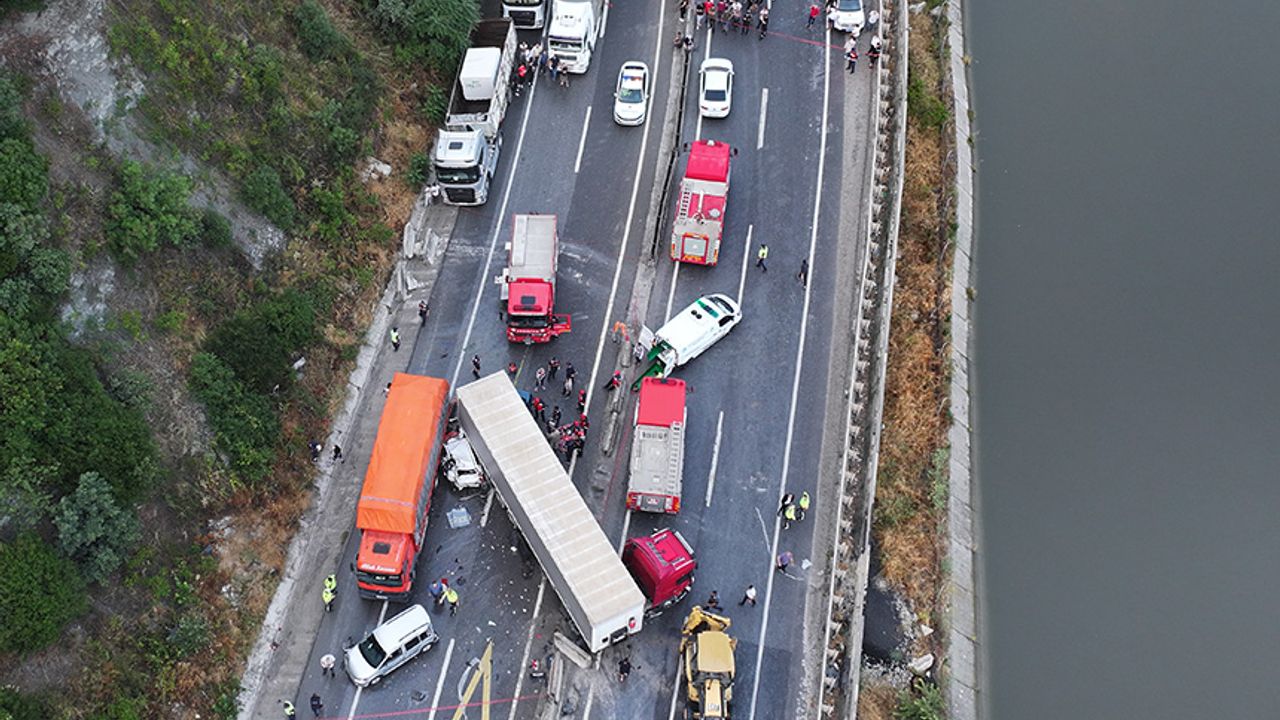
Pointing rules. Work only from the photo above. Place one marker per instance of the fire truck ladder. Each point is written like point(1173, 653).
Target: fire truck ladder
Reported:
point(675, 458)
point(686, 199)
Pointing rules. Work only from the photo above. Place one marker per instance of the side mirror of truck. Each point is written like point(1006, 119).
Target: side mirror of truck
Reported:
point(735, 152)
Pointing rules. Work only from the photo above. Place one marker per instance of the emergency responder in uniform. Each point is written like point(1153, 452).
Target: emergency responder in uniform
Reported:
point(330, 592)
point(289, 712)
point(804, 503)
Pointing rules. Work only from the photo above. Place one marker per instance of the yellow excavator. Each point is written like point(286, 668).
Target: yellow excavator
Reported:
point(707, 653)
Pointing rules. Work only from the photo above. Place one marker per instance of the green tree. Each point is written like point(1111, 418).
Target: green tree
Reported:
point(261, 342)
point(24, 173)
point(14, 705)
point(25, 499)
point(32, 274)
point(40, 592)
point(148, 210)
point(93, 529)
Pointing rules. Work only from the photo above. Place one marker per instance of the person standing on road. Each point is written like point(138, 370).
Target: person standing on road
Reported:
point(784, 561)
point(786, 500)
point(555, 415)
point(713, 602)
point(317, 706)
point(315, 449)
point(582, 401)
point(684, 9)
point(748, 16)
point(874, 53)
point(722, 16)
point(451, 597)
point(423, 311)
point(852, 57)
point(570, 371)
point(763, 22)
point(475, 366)
point(624, 669)
point(735, 12)
point(326, 665)
point(749, 596)
point(699, 15)
point(337, 453)
point(540, 379)
point(395, 339)
point(330, 592)
point(761, 255)
point(539, 409)
point(553, 367)
point(803, 275)
point(814, 11)
point(614, 382)
point(788, 516)
point(568, 387)
point(804, 503)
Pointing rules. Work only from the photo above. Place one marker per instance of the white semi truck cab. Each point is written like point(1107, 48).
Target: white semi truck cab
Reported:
point(576, 25)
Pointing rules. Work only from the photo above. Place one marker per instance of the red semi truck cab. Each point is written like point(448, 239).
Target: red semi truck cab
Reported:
point(662, 565)
point(528, 284)
point(704, 190)
point(391, 515)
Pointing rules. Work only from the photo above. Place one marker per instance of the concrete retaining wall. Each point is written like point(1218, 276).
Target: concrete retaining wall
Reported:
point(960, 672)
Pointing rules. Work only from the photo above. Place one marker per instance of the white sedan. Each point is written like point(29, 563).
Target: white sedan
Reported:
point(631, 98)
point(715, 87)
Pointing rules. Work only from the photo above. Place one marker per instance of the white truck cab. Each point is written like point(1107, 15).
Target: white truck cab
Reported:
point(688, 334)
point(575, 26)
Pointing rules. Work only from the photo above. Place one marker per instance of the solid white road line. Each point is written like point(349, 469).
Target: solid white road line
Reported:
point(591, 698)
point(746, 253)
point(799, 362)
point(355, 701)
point(604, 18)
point(715, 458)
point(488, 503)
point(582, 143)
point(497, 232)
point(444, 670)
point(671, 294)
point(631, 211)
point(764, 113)
point(528, 645)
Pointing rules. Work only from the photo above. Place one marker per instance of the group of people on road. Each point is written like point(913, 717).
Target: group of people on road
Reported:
point(726, 14)
point(535, 60)
point(569, 438)
point(792, 510)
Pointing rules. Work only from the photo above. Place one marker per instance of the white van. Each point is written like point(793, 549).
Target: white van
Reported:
point(688, 334)
point(390, 645)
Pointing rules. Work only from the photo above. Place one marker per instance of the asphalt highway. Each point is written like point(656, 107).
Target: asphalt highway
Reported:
point(758, 397)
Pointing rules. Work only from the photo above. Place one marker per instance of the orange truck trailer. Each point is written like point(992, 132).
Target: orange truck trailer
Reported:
point(396, 498)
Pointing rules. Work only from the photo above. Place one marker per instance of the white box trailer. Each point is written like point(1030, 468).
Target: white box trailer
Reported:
point(584, 569)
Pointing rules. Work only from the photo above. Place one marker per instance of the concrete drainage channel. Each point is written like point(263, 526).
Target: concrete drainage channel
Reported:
point(838, 694)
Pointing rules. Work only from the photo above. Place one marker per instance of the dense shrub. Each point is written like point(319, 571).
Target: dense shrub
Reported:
point(419, 170)
point(435, 103)
point(14, 705)
point(317, 36)
point(433, 32)
point(24, 173)
point(923, 702)
point(925, 106)
point(261, 342)
point(215, 229)
point(40, 591)
point(94, 529)
point(25, 500)
point(148, 210)
point(55, 406)
point(264, 192)
point(32, 274)
point(13, 124)
point(244, 423)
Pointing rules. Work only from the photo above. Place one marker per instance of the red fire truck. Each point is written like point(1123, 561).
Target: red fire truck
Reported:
point(699, 223)
point(528, 284)
point(657, 448)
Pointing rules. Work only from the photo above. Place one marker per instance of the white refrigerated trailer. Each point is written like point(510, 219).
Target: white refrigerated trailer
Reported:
point(599, 594)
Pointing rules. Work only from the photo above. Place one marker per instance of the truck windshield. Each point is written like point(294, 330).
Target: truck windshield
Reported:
point(527, 321)
point(564, 45)
point(384, 580)
point(372, 652)
point(458, 176)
